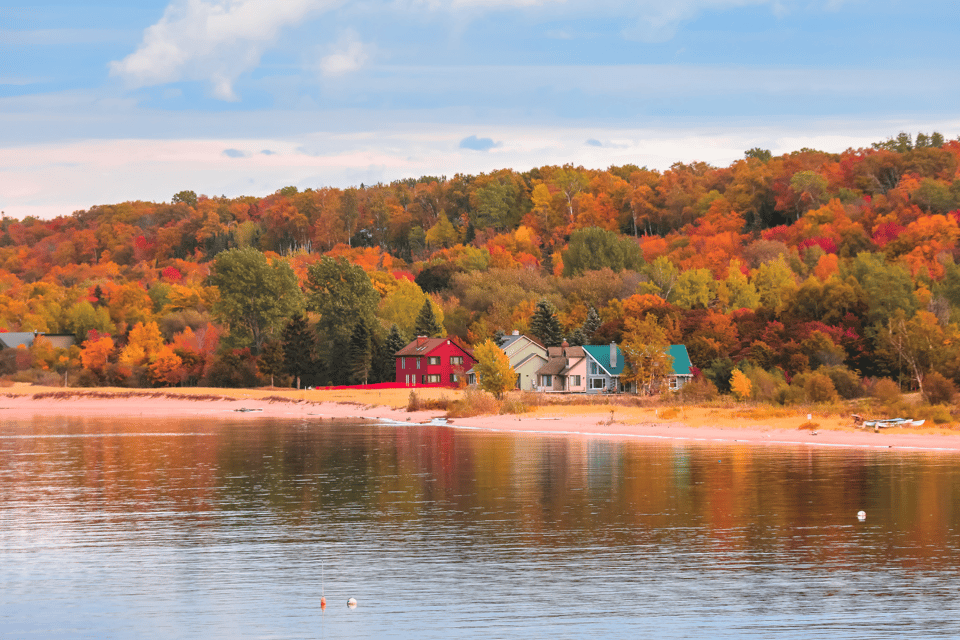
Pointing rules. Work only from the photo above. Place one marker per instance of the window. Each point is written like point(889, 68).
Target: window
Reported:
point(454, 378)
point(574, 381)
point(593, 368)
point(674, 383)
point(433, 360)
point(518, 382)
point(598, 383)
point(455, 360)
point(547, 380)
point(403, 363)
point(433, 378)
point(418, 363)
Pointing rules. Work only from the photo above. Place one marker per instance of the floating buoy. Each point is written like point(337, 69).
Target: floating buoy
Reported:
point(861, 515)
point(323, 602)
point(352, 603)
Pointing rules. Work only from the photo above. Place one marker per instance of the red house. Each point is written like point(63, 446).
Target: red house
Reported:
point(433, 362)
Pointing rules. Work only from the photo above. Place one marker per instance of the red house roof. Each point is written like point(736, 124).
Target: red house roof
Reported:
point(422, 346)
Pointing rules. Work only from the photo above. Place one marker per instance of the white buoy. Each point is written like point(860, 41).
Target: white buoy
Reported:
point(352, 603)
point(861, 515)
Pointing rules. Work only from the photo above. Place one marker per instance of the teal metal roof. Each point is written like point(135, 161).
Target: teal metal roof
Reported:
point(601, 353)
point(681, 360)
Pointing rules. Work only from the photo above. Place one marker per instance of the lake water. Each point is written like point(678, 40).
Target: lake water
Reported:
point(234, 529)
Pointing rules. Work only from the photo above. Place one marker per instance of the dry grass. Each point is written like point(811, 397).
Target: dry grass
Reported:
point(627, 409)
point(393, 398)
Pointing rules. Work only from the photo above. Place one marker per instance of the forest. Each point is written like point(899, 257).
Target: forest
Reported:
point(812, 275)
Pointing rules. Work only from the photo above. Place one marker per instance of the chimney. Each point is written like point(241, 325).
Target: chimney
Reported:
point(613, 355)
point(515, 332)
point(421, 340)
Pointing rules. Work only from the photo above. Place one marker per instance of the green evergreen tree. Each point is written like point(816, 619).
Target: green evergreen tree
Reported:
point(577, 337)
point(387, 358)
point(360, 354)
point(427, 324)
point(299, 347)
point(591, 324)
point(545, 326)
point(270, 360)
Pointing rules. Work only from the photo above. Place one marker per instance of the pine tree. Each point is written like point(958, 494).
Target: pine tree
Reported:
point(427, 324)
point(360, 355)
point(271, 359)
point(545, 325)
point(299, 346)
point(577, 338)
point(499, 337)
point(388, 361)
point(591, 324)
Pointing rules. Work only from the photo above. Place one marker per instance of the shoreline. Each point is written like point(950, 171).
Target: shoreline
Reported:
point(690, 424)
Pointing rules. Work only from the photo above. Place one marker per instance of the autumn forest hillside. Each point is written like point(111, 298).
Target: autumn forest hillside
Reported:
point(814, 274)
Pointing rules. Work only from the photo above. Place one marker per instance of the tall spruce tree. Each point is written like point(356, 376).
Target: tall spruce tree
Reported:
point(388, 361)
point(591, 324)
point(271, 359)
point(360, 354)
point(299, 347)
point(545, 325)
point(427, 324)
point(577, 337)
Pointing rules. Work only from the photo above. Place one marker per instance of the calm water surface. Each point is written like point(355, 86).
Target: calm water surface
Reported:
point(234, 529)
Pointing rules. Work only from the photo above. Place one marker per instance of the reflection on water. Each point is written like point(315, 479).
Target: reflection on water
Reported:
point(199, 529)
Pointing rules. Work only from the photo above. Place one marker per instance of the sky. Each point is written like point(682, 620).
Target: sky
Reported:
point(103, 101)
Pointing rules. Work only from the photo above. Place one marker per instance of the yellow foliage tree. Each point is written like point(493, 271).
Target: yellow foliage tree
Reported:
point(143, 344)
point(494, 372)
point(740, 384)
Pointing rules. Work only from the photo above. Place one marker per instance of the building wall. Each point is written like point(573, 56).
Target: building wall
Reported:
point(528, 372)
point(520, 350)
point(410, 374)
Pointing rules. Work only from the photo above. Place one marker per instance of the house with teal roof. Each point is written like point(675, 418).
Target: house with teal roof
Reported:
point(605, 364)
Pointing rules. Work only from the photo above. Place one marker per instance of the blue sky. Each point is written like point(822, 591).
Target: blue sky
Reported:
point(107, 101)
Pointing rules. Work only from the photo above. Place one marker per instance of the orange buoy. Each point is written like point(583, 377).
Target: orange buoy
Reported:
point(323, 602)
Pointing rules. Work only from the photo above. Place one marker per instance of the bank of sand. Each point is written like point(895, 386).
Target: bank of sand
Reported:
point(764, 426)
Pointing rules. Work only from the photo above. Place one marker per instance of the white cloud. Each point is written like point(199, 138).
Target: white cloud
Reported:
point(211, 40)
point(348, 56)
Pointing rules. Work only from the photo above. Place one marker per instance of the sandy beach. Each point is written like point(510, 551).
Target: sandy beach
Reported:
point(701, 424)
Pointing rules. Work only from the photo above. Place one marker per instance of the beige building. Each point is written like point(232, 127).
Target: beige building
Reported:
point(526, 357)
point(565, 370)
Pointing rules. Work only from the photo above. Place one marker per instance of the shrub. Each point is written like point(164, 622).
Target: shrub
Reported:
point(88, 378)
point(233, 368)
point(765, 383)
point(845, 381)
point(938, 414)
point(474, 402)
point(937, 389)
point(513, 405)
point(886, 391)
point(50, 379)
point(789, 394)
point(698, 390)
point(819, 388)
point(413, 402)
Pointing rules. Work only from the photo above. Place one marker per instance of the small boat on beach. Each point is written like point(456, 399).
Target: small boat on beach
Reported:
point(886, 423)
